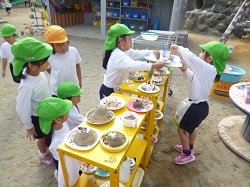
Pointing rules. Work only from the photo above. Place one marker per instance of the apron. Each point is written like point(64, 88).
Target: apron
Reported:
point(181, 110)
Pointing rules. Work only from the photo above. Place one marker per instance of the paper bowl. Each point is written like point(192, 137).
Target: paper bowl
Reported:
point(130, 122)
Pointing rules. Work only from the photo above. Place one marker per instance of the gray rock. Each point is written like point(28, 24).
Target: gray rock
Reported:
point(202, 28)
point(221, 27)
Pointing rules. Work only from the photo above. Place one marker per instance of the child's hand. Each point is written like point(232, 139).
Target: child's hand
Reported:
point(174, 47)
point(158, 65)
point(3, 74)
point(31, 133)
point(184, 67)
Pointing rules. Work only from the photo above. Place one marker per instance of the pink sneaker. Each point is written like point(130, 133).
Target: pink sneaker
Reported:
point(183, 159)
point(179, 148)
point(48, 159)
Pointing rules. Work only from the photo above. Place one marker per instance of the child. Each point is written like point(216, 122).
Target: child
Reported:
point(9, 34)
point(34, 87)
point(7, 6)
point(119, 58)
point(53, 114)
point(65, 60)
point(201, 72)
point(71, 91)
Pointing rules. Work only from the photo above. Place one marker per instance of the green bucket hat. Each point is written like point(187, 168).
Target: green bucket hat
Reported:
point(8, 30)
point(113, 33)
point(219, 52)
point(28, 50)
point(68, 89)
point(50, 109)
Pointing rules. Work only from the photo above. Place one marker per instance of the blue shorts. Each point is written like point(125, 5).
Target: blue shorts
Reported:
point(105, 91)
point(193, 117)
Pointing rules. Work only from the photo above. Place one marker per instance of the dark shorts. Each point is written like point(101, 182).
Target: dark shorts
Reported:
point(193, 117)
point(15, 79)
point(56, 163)
point(35, 121)
point(105, 91)
point(7, 9)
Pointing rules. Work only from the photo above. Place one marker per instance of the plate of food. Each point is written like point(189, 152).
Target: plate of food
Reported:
point(140, 105)
point(113, 102)
point(114, 141)
point(100, 115)
point(82, 138)
point(158, 115)
point(140, 77)
point(147, 87)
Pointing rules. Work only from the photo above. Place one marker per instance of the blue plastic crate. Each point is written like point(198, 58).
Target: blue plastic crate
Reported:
point(133, 27)
point(135, 15)
point(126, 3)
point(115, 13)
point(127, 14)
point(144, 16)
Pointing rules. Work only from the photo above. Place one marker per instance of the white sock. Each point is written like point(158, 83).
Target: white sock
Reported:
point(43, 154)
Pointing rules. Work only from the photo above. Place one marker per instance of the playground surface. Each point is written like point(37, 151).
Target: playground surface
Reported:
point(215, 165)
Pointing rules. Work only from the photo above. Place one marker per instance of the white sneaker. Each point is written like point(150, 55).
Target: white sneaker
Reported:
point(56, 174)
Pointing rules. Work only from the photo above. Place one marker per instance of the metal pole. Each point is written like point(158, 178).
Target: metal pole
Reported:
point(237, 17)
point(103, 17)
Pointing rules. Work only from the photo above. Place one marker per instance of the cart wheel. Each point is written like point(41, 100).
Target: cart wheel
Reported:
point(170, 92)
point(22, 32)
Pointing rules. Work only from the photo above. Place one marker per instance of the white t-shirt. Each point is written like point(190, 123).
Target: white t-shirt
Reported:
point(5, 52)
point(72, 165)
point(75, 118)
point(199, 74)
point(63, 68)
point(32, 90)
point(121, 62)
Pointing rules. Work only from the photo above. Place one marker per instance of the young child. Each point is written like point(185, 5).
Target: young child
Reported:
point(65, 60)
point(200, 72)
point(119, 58)
point(10, 35)
point(34, 87)
point(53, 114)
point(7, 6)
point(71, 91)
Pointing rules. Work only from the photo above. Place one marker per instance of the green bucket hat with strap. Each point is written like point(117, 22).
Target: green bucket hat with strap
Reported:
point(28, 50)
point(114, 32)
point(8, 30)
point(219, 52)
point(68, 89)
point(50, 109)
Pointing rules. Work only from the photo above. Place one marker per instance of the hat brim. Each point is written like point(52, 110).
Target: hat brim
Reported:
point(59, 41)
point(45, 123)
point(80, 92)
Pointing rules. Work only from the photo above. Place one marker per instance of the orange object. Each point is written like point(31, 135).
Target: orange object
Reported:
point(55, 34)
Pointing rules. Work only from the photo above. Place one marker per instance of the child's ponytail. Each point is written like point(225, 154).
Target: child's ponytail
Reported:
point(106, 58)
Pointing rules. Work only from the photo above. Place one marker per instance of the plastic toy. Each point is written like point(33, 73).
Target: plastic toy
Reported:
point(28, 27)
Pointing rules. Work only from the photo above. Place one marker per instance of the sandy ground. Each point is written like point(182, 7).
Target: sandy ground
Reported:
point(215, 165)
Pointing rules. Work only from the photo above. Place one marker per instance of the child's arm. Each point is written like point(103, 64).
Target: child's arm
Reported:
point(79, 74)
point(23, 109)
point(4, 64)
point(137, 54)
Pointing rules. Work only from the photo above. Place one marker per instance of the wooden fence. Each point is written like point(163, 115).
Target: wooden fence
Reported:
point(67, 19)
